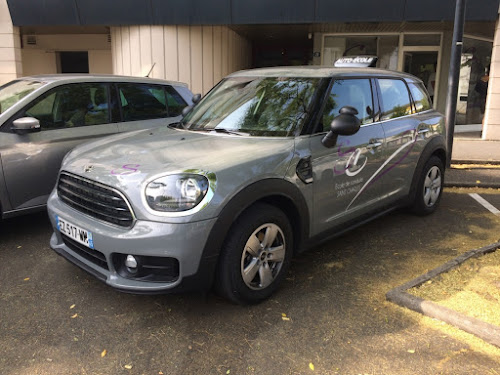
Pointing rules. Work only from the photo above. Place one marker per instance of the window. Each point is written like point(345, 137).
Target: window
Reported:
point(14, 91)
point(175, 102)
point(142, 102)
point(356, 93)
point(395, 98)
point(71, 106)
point(420, 97)
point(258, 106)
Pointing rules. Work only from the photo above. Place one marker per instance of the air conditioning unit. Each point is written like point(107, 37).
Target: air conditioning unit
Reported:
point(31, 40)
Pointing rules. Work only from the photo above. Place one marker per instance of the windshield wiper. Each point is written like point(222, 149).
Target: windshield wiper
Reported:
point(227, 131)
point(176, 125)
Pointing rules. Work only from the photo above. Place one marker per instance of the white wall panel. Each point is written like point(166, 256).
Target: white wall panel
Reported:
point(126, 58)
point(184, 54)
point(208, 58)
point(171, 38)
point(196, 59)
point(197, 55)
point(217, 35)
point(146, 52)
point(158, 52)
point(135, 51)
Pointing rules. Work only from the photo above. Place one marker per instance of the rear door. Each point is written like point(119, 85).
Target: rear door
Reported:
point(145, 105)
point(342, 184)
point(69, 115)
point(401, 126)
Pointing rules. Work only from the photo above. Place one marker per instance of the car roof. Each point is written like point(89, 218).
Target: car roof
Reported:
point(75, 78)
point(323, 72)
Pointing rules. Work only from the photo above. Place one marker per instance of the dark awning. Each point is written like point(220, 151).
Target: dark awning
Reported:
point(239, 12)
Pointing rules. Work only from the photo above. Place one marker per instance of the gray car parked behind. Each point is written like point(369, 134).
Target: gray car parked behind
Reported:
point(43, 117)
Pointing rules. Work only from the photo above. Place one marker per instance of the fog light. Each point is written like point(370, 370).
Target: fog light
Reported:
point(131, 262)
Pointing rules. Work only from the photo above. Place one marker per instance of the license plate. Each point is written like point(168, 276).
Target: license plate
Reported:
point(75, 232)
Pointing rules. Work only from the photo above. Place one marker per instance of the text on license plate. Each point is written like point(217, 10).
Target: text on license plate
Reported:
point(75, 232)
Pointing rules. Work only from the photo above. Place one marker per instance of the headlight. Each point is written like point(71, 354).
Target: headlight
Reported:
point(176, 193)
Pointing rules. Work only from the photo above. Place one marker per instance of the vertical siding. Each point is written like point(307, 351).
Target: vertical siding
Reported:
point(158, 52)
point(171, 53)
point(135, 51)
point(225, 49)
point(126, 57)
point(217, 43)
point(197, 55)
point(196, 59)
point(208, 58)
point(184, 54)
point(145, 40)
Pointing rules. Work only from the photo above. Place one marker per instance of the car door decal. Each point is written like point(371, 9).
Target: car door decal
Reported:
point(376, 176)
point(351, 167)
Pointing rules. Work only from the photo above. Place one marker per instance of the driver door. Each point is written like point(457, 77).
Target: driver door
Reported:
point(343, 184)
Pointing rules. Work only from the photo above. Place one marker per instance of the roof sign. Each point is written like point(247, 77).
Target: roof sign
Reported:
point(356, 62)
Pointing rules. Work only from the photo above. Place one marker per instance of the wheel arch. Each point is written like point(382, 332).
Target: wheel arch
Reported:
point(435, 147)
point(277, 192)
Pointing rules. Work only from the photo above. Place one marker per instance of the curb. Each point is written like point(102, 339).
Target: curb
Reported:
point(472, 185)
point(468, 161)
point(488, 332)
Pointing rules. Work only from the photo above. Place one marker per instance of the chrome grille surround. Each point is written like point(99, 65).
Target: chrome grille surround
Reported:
point(95, 200)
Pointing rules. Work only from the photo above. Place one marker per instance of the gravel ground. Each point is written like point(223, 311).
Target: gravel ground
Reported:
point(329, 317)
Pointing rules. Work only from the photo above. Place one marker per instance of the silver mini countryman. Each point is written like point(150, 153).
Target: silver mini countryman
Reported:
point(269, 163)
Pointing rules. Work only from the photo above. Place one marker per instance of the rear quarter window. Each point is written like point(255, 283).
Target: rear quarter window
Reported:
point(395, 99)
point(420, 97)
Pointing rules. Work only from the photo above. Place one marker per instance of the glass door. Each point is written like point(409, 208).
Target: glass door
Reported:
point(423, 64)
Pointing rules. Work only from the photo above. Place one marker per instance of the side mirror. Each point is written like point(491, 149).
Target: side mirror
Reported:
point(196, 98)
point(344, 124)
point(25, 125)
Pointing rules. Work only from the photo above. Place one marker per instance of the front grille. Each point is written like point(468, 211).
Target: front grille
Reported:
point(94, 199)
point(91, 255)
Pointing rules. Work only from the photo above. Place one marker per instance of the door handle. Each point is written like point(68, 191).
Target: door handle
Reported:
point(422, 130)
point(374, 143)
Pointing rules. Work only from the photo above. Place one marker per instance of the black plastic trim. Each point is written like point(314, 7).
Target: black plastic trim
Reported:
point(80, 264)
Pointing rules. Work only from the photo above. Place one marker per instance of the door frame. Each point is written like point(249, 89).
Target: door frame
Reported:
point(438, 49)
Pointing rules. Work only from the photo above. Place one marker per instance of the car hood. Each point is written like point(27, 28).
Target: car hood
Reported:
point(133, 158)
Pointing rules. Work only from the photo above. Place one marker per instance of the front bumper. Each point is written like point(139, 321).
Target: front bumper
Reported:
point(183, 242)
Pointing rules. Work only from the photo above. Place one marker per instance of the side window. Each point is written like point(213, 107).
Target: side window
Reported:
point(395, 98)
point(175, 102)
point(71, 106)
point(142, 102)
point(420, 97)
point(356, 93)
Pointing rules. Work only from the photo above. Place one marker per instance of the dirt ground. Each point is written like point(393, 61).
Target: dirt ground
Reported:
point(329, 317)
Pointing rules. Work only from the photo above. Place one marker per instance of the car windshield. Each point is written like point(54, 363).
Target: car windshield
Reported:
point(259, 106)
point(14, 91)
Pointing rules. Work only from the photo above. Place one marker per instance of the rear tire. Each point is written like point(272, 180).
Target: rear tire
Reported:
point(429, 187)
point(255, 256)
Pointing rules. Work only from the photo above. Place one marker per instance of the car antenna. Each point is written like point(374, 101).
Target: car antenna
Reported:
point(150, 70)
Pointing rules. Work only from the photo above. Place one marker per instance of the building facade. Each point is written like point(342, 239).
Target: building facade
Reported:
point(199, 42)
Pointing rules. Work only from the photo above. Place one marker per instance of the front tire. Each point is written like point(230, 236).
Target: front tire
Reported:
point(429, 187)
point(256, 255)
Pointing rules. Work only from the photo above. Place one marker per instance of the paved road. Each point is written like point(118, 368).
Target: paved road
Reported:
point(333, 298)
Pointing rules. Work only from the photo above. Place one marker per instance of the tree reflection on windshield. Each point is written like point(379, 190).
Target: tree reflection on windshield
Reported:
point(273, 106)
